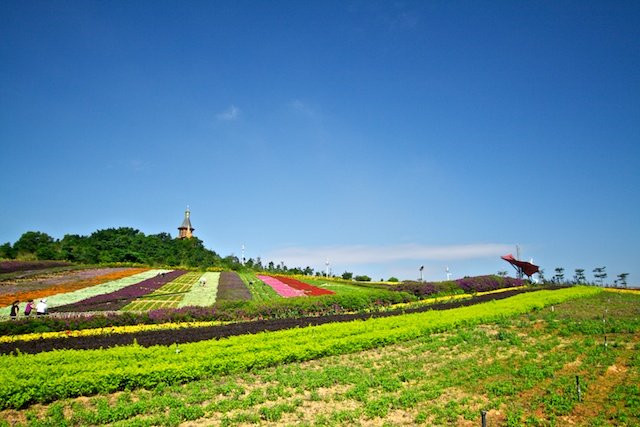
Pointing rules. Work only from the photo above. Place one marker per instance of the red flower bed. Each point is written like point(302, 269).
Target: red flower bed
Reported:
point(308, 289)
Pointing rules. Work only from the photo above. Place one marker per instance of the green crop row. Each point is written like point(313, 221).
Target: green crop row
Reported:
point(49, 376)
point(260, 291)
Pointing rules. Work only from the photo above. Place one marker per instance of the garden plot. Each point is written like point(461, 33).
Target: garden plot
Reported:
point(282, 289)
point(167, 296)
point(260, 291)
point(71, 296)
point(116, 300)
point(203, 293)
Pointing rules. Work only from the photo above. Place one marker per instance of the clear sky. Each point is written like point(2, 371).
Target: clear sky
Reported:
point(380, 135)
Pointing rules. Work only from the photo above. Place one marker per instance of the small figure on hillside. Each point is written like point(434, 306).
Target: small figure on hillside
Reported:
point(28, 308)
point(15, 308)
point(41, 308)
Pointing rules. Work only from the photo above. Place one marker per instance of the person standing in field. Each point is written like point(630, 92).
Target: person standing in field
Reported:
point(15, 308)
point(28, 308)
point(41, 308)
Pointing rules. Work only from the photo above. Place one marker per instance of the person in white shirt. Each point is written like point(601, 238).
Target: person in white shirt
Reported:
point(41, 308)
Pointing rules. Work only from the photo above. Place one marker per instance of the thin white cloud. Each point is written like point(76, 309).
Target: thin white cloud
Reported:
point(361, 254)
point(231, 113)
point(303, 108)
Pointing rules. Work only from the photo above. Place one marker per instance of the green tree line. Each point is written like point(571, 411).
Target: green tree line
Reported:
point(116, 245)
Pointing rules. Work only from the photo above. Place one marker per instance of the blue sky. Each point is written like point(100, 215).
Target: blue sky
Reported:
point(380, 135)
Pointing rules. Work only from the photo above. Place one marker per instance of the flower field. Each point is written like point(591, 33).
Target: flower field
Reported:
point(304, 287)
point(102, 288)
point(203, 293)
point(167, 296)
point(15, 266)
point(259, 290)
point(119, 298)
point(516, 358)
point(17, 288)
point(77, 283)
point(49, 376)
point(231, 287)
point(281, 288)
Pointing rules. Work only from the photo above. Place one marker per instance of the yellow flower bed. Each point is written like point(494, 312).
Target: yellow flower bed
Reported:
point(448, 298)
point(110, 330)
point(623, 291)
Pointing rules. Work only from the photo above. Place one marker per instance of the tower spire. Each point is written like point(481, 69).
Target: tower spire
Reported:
point(185, 231)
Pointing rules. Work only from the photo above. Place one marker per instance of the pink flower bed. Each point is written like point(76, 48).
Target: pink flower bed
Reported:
point(281, 288)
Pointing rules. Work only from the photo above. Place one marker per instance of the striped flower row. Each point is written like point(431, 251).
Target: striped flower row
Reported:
point(128, 329)
point(282, 289)
point(120, 298)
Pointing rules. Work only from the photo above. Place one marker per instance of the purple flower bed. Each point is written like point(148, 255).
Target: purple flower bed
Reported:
point(418, 289)
point(13, 266)
point(118, 299)
point(487, 283)
point(468, 285)
point(231, 287)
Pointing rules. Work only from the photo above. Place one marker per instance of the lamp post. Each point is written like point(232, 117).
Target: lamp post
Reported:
point(421, 268)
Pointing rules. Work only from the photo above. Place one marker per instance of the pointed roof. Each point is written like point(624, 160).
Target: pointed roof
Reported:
point(186, 224)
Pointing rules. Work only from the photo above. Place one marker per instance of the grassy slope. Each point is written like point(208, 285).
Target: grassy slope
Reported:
point(68, 373)
point(520, 369)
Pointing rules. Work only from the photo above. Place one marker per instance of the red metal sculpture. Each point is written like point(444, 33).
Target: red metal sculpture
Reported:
point(521, 266)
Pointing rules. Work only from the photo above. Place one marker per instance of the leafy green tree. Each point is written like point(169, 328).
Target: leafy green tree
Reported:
point(347, 275)
point(600, 274)
point(559, 276)
point(7, 251)
point(31, 241)
point(502, 273)
point(622, 279)
point(393, 279)
point(579, 276)
point(363, 278)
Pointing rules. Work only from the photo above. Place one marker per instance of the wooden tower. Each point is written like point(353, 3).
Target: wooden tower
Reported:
point(185, 231)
